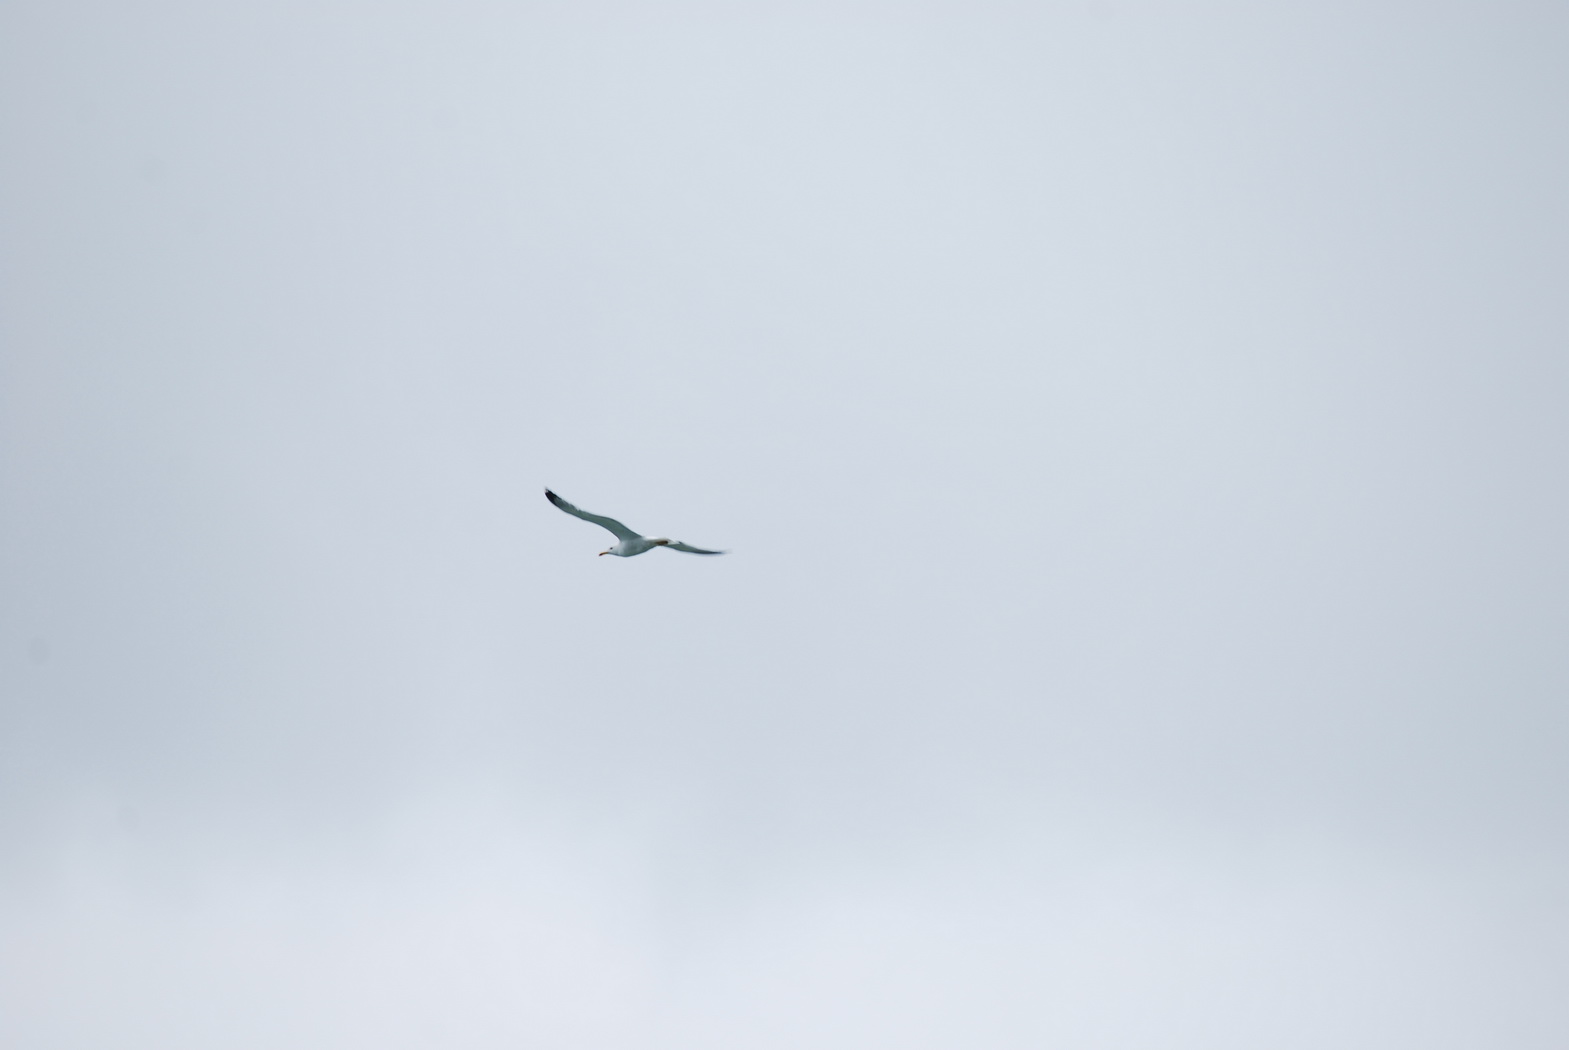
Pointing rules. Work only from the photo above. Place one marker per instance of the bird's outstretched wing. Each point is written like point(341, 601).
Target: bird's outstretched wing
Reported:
point(621, 531)
point(690, 549)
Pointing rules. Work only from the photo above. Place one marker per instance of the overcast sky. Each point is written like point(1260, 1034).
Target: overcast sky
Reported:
point(1141, 431)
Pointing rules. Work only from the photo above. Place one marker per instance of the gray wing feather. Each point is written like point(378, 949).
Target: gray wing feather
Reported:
point(620, 531)
point(690, 549)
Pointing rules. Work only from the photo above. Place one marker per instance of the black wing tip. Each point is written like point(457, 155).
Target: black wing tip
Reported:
point(552, 497)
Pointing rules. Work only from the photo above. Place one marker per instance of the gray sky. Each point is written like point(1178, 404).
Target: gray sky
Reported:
point(1141, 433)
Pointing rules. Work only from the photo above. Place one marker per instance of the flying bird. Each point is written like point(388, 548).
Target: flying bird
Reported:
point(631, 543)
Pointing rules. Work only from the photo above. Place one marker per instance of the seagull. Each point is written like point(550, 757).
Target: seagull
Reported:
point(631, 543)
